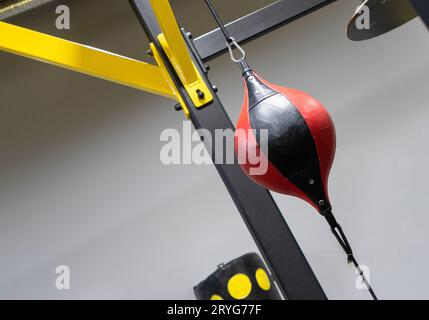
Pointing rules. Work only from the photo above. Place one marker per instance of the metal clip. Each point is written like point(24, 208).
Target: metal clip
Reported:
point(231, 44)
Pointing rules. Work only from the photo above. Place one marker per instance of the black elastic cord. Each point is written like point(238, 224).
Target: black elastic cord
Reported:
point(219, 21)
point(342, 239)
point(371, 291)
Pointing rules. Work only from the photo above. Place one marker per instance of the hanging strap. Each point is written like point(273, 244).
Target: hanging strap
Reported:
point(339, 235)
point(230, 41)
point(342, 240)
point(219, 21)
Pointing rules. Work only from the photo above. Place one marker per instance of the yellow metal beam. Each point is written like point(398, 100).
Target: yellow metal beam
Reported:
point(85, 59)
point(158, 59)
point(176, 49)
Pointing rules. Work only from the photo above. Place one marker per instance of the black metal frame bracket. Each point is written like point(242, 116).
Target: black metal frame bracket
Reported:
point(256, 24)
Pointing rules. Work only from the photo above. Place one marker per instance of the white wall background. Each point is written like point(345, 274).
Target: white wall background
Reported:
point(81, 182)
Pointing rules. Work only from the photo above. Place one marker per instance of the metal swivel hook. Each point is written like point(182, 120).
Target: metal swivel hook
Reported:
point(231, 44)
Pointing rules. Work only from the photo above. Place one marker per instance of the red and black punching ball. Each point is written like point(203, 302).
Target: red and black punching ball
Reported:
point(300, 148)
point(301, 142)
point(301, 139)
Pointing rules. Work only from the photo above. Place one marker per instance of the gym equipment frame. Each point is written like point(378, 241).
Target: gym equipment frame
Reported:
point(182, 75)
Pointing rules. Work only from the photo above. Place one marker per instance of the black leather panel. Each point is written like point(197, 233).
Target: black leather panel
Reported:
point(310, 182)
point(257, 90)
point(291, 146)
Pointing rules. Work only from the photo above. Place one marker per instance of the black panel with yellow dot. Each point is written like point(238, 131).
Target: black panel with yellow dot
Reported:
point(245, 278)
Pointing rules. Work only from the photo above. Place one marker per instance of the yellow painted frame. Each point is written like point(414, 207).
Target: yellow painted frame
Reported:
point(83, 59)
point(116, 68)
point(176, 49)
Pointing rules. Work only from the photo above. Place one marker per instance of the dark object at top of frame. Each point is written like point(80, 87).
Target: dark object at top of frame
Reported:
point(376, 17)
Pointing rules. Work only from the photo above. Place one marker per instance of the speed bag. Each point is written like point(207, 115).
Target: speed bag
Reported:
point(301, 140)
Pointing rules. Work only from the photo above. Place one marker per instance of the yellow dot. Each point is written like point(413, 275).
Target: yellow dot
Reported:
point(216, 297)
point(239, 286)
point(263, 279)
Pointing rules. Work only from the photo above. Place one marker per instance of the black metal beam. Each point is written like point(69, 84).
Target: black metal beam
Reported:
point(422, 8)
point(256, 205)
point(256, 24)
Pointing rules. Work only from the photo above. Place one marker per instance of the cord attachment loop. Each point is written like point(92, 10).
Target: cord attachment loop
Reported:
point(231, 43)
